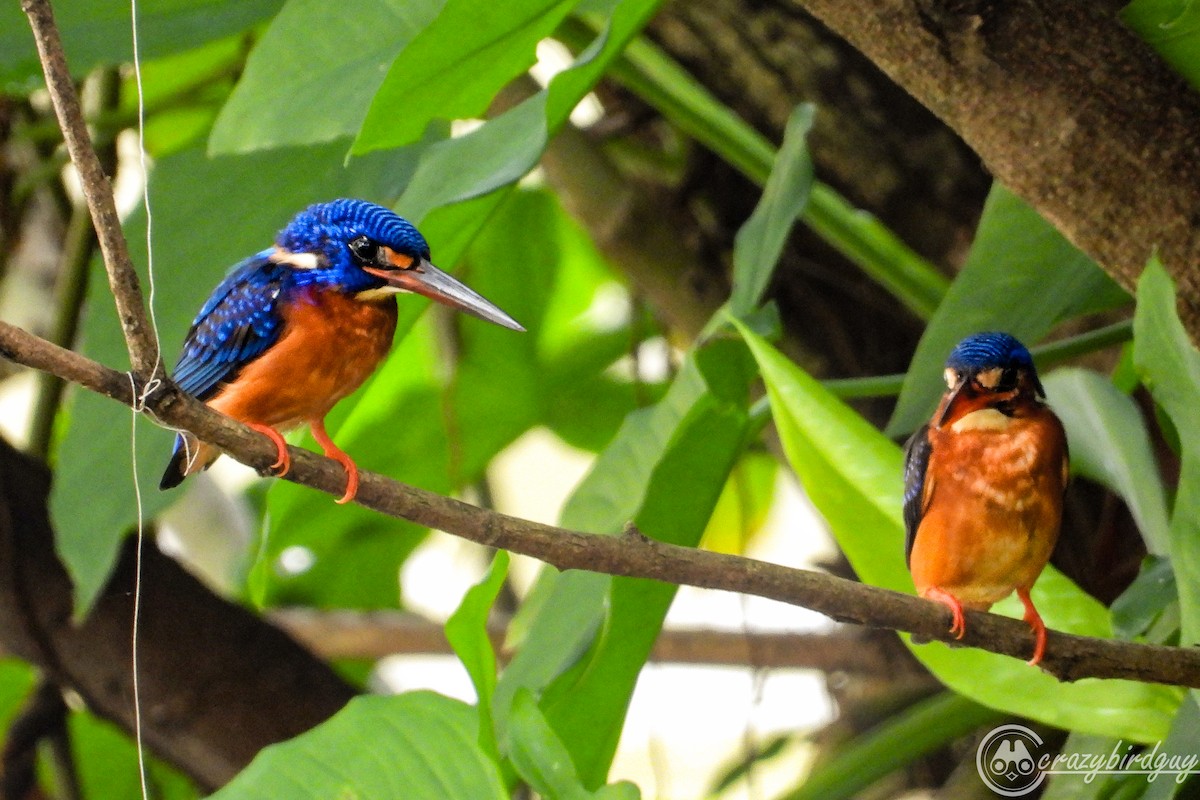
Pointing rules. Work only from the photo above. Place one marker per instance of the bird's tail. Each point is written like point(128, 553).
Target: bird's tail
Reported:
point(189, 456)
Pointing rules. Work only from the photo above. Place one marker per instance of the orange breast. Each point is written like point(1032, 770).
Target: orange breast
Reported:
point(330, 345)
point(994, 507)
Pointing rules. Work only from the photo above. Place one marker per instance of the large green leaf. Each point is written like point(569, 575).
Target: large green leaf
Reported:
point(1109, 444)
point(1170, 368)
point(664, 472)
point(253, 197)
point(312, 76)
point(852, 473)
point(99, 32)
point(418, 745)
point(1172, 27)
point(760, 241)
point(1021, 277)
point(467, 633)
point(456, 65)
point(107, 763)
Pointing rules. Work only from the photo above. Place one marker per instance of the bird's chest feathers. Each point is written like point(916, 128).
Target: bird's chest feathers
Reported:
point(340, 337)
point(1001, 460)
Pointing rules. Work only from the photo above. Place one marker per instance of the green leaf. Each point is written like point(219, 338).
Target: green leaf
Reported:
point(312, 76)
point(194, 246)
point(99, 33)
point(759, 242)
point(853, 474)
point(1110, 444)
point(664, 472)
point(1171, 27)
point(894, 744)
point(467, 633)
point(418, 745)
point(455, 66)
point(1022, 277)
point(1170, 369)
point(1150, 605)
point(543, 761)
point(107, 763)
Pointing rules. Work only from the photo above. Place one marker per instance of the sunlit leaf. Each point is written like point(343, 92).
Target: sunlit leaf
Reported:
point(1170, 369)
point(467, 633)
point(1110, 444)
point(743, 506)
point(418, 745)
point(312, 76)
point(852, 473)
point(1022, 277)
point(761, 239)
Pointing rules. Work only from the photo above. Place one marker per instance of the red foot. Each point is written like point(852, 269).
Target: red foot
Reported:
point(1039, 628)
point(334, 452)
point(284, 461)
point(958, 625)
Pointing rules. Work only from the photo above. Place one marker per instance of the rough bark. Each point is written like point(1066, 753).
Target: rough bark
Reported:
point(217, 683)
point(1067, 107)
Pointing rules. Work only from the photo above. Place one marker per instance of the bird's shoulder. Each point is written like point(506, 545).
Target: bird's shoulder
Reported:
point(238, 322)
point(916, 471)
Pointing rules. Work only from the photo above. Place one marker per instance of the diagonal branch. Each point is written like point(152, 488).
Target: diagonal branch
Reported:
point(122, 278)
point(1068, 657)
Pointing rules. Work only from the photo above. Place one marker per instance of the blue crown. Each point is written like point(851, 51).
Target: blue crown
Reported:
point(986, 350)
point(339, 221)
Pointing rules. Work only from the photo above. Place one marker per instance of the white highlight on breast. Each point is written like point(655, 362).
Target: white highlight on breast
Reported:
point(985, 419)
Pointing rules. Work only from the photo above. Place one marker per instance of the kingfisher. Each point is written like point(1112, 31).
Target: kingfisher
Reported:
point(292, 330)
point(984, 483)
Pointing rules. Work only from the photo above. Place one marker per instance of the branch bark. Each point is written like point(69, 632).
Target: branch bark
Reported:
point(1067, 107)
point(1068, 657)
point(122, 277)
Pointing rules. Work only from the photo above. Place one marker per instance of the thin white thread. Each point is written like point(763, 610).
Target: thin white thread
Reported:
point(139, 406)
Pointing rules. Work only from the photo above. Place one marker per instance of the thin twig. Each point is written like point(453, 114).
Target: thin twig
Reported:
point(122, 277)
point(1068, 657)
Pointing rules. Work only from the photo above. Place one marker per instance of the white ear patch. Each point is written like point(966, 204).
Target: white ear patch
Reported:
point(989, 378)
point(951, 377)
point(297, 260)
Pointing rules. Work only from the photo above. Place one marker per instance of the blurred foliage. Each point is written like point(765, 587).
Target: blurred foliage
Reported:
point(245, 127)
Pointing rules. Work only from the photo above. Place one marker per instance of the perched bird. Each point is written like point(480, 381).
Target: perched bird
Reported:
point(295, 328)
point(984, 484)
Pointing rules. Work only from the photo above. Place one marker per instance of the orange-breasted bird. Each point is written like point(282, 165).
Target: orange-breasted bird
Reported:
point(297, 327)
point(984, 484)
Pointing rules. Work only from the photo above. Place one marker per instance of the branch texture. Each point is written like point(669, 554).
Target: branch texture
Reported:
point(122, 278)
point(1067, 107)
point(1068, 657)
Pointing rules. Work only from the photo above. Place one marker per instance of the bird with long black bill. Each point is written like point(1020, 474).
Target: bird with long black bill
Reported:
point(297, 327)
point(984, 484)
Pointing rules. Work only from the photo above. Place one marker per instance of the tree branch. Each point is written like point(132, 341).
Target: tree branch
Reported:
point(1068, 657)
point(122, 278)
point(1067, 107)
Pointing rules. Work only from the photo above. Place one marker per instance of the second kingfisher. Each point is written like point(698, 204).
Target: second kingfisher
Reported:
point(984, 484)
point(295, 328)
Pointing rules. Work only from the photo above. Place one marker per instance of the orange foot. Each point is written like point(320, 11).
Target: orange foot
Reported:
point(283, 461)
point(958, 625)
point(1039, 628)
point(333, 451)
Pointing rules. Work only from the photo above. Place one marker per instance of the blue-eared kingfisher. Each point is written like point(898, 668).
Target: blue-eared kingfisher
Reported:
point(297, 327)
point(984, 483)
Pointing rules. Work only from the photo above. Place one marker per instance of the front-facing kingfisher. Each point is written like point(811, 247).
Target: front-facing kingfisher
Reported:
point(984, 484)
point(297, 327)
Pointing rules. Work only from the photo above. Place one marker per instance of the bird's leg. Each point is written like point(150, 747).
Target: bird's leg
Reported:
point(317, 424)
point(283, 461)
point(958, 625)
point(1039, 628)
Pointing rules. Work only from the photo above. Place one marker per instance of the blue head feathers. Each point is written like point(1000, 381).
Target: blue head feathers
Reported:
point(984, 351)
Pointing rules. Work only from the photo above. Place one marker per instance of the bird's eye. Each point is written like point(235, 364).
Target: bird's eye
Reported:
point(364, 249)
point(1008, 379)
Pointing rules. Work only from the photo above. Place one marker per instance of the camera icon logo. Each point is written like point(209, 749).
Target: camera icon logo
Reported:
point(1007, 760)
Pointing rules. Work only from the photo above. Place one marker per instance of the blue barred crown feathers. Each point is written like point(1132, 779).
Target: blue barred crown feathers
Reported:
point(982, 351)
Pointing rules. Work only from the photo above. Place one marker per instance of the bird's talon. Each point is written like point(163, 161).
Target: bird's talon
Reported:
point(283, 460)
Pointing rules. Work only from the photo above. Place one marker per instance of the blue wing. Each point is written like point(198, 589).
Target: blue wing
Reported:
point(916, 463)
point(240, 320)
